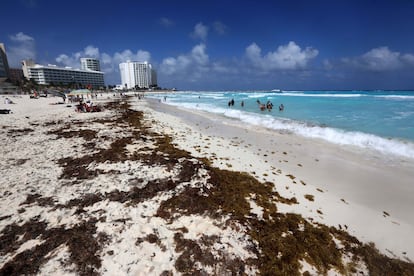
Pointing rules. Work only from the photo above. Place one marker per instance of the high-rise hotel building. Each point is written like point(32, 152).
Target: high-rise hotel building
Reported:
point(137, 74)
point(4, 65)
point(90, 64)
point(51, 74)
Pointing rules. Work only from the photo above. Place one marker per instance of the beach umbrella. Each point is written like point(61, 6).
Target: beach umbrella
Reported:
point(80, 92)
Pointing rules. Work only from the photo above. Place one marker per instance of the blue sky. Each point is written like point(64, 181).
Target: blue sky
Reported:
point(217, 45)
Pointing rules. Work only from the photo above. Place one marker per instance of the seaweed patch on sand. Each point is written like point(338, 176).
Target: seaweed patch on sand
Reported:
point(125, 199)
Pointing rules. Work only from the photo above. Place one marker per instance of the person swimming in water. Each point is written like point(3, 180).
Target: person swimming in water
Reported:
point(269, 105)
point(262, 107)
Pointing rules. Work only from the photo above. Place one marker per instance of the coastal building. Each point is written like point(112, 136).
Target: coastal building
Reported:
point(4, 65)
point(137, 74)
point(6, 87)
point(16, 75)
point(52, 74)
point(90, 64)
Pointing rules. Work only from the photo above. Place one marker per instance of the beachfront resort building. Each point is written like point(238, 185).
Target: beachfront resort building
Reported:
point(52, 74)
point(4, 65)
point(90, 64)
point(137, 74)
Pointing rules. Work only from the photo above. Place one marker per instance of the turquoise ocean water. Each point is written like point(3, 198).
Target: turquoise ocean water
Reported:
point(379, 120)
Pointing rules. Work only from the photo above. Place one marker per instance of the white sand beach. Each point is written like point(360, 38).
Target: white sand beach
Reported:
point(61, 177)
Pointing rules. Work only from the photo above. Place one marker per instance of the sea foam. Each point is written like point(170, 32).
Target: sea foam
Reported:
point(386, 146)
point(321, 95)
point(396, 97)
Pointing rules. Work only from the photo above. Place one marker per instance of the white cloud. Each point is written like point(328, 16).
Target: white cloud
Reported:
point(21, 37)
point(220, 27)
point(195, 66)
point(106, 59)
point(192, 63)
point(286, 57)
point(125, 55)
point(91, 51)
point(23, 47)
point(166, 22)
point(408, 59)
point(199, 54)
point(381, 59)
point(200, 31)
point(222, 68)
point(253, 53)
point(67, 61)
point(327, 65)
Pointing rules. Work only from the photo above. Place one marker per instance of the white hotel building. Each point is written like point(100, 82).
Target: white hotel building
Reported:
point(90, 64)
point(51, 74)
point(137, 74)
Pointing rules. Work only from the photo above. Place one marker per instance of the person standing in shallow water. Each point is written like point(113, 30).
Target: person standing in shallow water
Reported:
point(242, 103)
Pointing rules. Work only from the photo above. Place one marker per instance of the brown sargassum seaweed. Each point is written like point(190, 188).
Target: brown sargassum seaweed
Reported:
point(279, 241)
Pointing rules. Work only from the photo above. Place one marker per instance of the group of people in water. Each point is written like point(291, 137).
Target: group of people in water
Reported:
point(262, 107)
